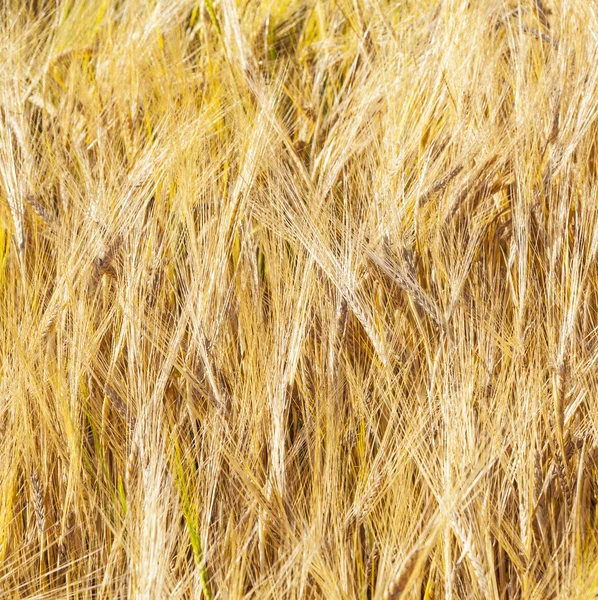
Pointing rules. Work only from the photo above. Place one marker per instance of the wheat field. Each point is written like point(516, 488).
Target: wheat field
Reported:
point(298, 299)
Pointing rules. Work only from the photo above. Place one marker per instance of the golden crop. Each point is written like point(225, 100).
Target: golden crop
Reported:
point(298, 299)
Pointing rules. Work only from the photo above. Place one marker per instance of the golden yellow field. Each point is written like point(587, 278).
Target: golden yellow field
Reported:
point(299, 299)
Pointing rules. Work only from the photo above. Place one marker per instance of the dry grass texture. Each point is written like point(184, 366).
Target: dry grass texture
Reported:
point(298, 299)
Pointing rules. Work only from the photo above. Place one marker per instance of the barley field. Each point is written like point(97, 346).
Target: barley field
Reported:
point(298, 299)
